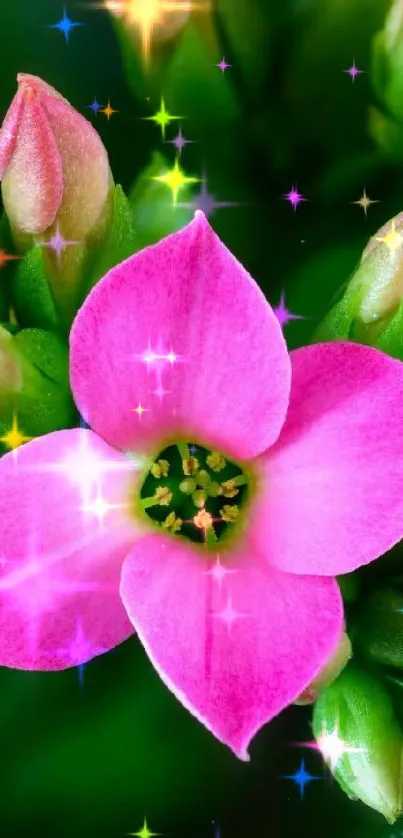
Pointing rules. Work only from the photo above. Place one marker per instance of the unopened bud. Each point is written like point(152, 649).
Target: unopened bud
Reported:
point(358, 734)
point(370, 310)
point(56, 182)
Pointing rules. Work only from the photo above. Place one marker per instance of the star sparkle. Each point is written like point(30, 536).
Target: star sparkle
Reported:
point(353, 71)
point(95, 106)
point(223, 66)
point(84, 468)
point(14, 437)
point(162, 118)
point(180, 141)
point(65, 25)
point(140, 410)
point(364, 202)
point(294, 197)
point(108, 111)
point(79, 647)
point(147, 15)
point(229, 615)
point(144, 832)
point(206, 202)
point(283, 314)
point(6, 257)
point(175, 179)
point(219, 572)
point(392, 239)
point(100, 507)
point(332, 747)
point(301, 778)
point(57, 243)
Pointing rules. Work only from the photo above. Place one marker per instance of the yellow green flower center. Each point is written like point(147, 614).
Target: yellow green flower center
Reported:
point(194, 492)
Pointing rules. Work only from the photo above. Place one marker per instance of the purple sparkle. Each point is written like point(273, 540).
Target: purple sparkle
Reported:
point(283, 314)
point(294, 197)
point(223, 66)
point(206, 202)
point(353, 71)
point(58, 243)
point(180, 141)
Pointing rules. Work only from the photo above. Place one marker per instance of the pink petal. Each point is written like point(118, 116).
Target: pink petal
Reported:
point(8, 131)
point(33, 184)
point(84, 160)
point(188, 295)
point(234, 678)
point(59, 568)
point(331, 497)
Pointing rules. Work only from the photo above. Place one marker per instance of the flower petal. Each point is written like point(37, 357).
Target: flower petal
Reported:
point(33, 183)
point(86, 174)
point(235, 652)
point(331, 498)
point(182, 330)
point(59, 567)
point(9, 129)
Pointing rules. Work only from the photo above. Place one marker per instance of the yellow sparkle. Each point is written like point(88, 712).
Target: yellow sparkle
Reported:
point(14, 438)
point(108, 111)
point(148, 14)
point(162, 118)
point(393, 239)
point(364, 202)
point(144, 832)
point(175, 179)
point(140, 410)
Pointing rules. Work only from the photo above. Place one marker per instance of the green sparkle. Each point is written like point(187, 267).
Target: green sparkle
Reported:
point(144, 832)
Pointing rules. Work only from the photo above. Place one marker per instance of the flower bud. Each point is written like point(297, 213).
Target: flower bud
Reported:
point(387, 62)
point(56, 182)
point(356, 729)
point(329, 673)
point(370, 309)
point(378, 627)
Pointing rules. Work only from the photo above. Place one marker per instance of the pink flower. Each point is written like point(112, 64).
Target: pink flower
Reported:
point(178, 343)
point(53, 165)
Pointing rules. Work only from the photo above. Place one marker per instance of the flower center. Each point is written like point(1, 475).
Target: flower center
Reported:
point(195, 492)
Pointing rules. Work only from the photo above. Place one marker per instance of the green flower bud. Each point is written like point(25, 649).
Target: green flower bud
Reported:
point(354, 720)
point(370, 309)
point(378, 627)
point(329, 673)
point(387, 62)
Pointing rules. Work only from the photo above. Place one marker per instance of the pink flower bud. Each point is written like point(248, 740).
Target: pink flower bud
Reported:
point(53, 165)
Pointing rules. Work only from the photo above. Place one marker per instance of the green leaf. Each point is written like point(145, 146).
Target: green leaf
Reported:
point(30, 294)
point(120, 242)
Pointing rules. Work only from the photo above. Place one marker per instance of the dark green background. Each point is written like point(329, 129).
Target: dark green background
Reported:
point(94, 759)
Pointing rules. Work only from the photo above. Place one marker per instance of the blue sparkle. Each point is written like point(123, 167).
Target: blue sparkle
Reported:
point(301, 778)
point(65, 25)
point(192, 449)
point(80, 673)
point(95, 106)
